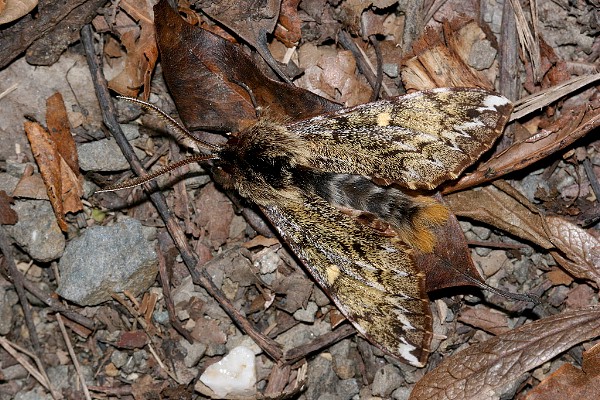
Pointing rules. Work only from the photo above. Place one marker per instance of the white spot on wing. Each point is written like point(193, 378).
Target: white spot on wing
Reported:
point(491, 102)
point(405, 350)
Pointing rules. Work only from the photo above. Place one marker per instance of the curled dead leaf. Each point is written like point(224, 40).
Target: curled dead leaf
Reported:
point(485, 370)
point(51, 149)
point(15, 9)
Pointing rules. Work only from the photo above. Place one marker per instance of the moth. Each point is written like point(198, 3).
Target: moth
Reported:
point(342, 189)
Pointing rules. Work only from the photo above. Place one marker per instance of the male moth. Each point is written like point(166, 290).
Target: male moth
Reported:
point(318, 182)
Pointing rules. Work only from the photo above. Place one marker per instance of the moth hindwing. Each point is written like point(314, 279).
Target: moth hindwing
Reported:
point(314, 179)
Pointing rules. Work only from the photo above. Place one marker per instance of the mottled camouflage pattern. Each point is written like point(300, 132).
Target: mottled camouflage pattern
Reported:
point(304, 176)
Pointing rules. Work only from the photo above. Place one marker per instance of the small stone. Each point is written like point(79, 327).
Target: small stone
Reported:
point(59, 376)
point(243, 340)
point(130, 131)
point(482, 232)
point(482, 55)
point(391, 69)
point(307, 314)
point(234, 375)
point(386, 380)
point(111, 370)
point(119, 358)
point(195, 351)
point(37, 232)
point(344, 367)
point(8, 298)
point(106, 260)
point(322, 381)
point(161, 317)
point(346, 389)
point(8, 183)
point(302, 334)
point(267, 260)
point(103, 155)
point(483, 251)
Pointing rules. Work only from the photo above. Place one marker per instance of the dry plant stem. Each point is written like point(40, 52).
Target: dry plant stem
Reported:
point(529, 40)
point(57, 306)
point(321, 342)
point(536, 101)
point(18, 281)
point(166, 287)
point(148, 329)
point(73, 357)
point(589, 171)
point(362, 62)
point(379, 81)
point(39, 374)
point(413, 23)
point(199, 276)
point(508, 81)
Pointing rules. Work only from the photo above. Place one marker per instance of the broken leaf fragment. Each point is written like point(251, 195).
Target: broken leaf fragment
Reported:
point(55, 153)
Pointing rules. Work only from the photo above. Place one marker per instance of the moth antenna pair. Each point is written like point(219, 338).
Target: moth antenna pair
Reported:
point(173, 123)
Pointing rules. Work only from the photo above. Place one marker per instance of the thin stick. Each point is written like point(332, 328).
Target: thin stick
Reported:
point(73, 356)
point(18, 281)
point(199, 276)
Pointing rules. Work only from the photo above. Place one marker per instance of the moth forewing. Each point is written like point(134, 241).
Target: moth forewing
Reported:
point(419, 140)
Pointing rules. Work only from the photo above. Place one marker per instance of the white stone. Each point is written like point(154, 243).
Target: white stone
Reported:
point(235, 374)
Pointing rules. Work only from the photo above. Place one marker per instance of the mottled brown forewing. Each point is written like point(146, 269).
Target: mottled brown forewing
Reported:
point(372, 280)
point(419, 140)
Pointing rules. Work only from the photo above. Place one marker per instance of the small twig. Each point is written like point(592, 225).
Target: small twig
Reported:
point(508, 58)
point(18, 281)
point(323, 341)
point(536, 101)
point(199, 276)
point(39, 374)
point(362, 62)
point(165, 283)
point(73, 357)
point(379, 74)
point(589, 171)
point(161, 364)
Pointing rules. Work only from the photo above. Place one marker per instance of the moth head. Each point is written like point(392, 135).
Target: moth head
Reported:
point(259, 162)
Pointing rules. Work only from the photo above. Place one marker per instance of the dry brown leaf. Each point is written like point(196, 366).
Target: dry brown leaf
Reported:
point(8, 216)
point(571, 383)
point(60, 134)
point(581, 249)
point(575, 249)
point(288, 29)
point(485, 370)
point(142, 52)
point(498, 209)
point(567, 129)
point(481, 317)
point(31, 185)
point(559, 277)
point(15, 9)
point(63, 184)
point(48, 160)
